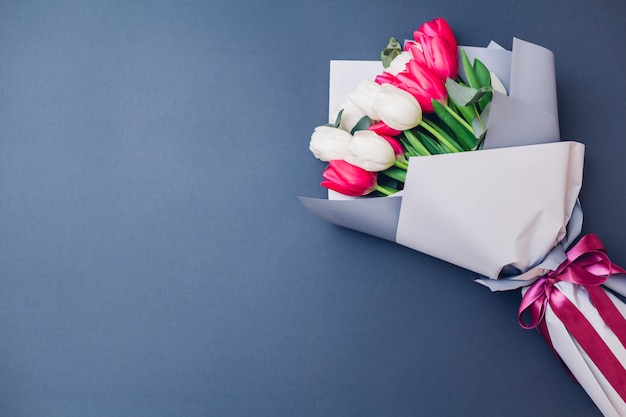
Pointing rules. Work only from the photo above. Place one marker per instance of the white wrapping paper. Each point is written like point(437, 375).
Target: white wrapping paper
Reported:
point(490, 209)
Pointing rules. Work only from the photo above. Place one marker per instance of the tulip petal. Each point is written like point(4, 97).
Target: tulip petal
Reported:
point(397, 108)
point(363, 96)
point(397, 147)
point(369, 151)
point(438, 26)
point(438, 47)
point(329, 143)
point(348, 179)
point(441, 58)
point(382, 129)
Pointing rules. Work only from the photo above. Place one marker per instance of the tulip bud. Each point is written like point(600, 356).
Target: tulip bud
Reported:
point(435, 47)
point(329, 143)
point(438, 27)
point(348, 179)
point(363, 96)
point(397, 108)
point(369, 151)
point(440, 57)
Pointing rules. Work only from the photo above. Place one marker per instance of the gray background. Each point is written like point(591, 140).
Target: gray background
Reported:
point(155, 259)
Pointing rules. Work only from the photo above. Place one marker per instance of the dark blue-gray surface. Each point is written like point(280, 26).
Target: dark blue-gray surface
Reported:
point(155, 259)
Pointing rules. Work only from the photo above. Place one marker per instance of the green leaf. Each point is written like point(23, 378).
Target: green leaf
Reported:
point(463, 95)
point(410, 150)
point(416, 144)
point(363, 124)
point(485, 81)
point(395, 173)
point(465, 137)
point(482, 73)
point(446, 149)
point(470, 74)
point(338, 120)
point(387, 181)
point(392, 50)
point(431, 144)
point(479, 131)
point(442, 136)
point(467, 112)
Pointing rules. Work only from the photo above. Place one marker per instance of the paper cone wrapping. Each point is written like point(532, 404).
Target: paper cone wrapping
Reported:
point(461, 207)
point(487, 210)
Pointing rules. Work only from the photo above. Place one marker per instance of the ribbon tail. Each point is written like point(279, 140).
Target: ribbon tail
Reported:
point(609, 312)
point(590, 341)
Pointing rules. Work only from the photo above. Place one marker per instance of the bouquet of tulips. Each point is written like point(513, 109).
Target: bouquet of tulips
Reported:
point(404, 132)
point(415, 107)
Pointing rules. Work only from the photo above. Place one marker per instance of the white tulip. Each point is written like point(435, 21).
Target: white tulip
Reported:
point(364, 95)
point(351, 115)
point(370, 152)
point(329, 143)
point(397, 108)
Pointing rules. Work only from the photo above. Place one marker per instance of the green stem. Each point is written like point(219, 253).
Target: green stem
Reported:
point(401, 165)
point(480, 120)
point(420, 149)
point(439, 137)
point(385, 190)
point(459, 118)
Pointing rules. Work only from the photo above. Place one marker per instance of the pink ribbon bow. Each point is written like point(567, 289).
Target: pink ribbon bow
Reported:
point(587, 264)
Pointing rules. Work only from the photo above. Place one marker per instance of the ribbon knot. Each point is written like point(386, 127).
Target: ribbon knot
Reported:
point(587, 265)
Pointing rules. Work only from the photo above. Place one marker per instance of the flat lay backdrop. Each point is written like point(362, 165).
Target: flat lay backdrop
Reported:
point(155, 259)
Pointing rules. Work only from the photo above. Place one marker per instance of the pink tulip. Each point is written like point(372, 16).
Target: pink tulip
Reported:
point(433, 59)
point(348, 179)
point(436, 54)
point(382, 129)
point(435, 46)
point(421, 82)
point(438, 27)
